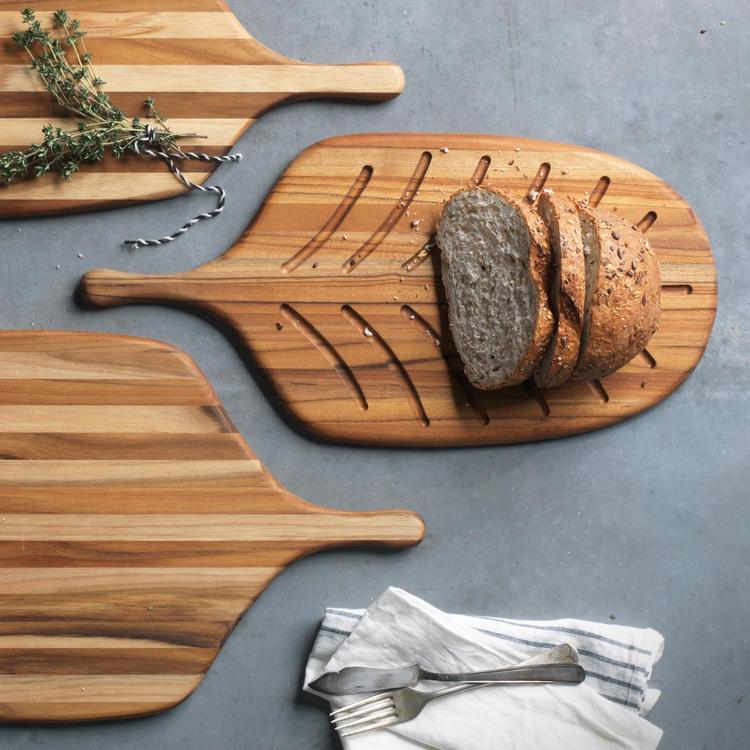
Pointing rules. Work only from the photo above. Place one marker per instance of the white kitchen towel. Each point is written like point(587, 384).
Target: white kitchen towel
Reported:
point(606, 711)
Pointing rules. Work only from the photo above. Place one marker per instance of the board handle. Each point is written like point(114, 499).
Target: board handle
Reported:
point(394, 529)
point(369, 81)
point(104, 287)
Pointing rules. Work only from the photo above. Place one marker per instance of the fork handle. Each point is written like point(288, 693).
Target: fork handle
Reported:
point(558, 673)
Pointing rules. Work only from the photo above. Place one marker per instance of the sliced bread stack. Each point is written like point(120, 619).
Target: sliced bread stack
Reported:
point(555, 291)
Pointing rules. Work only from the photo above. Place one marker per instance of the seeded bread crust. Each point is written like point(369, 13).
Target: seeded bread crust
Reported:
point(539, 269)
point(626, 302)
point(568, 288)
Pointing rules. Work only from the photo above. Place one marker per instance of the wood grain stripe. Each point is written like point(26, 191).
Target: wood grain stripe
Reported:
point(120, 660)
point(208, 527)
point(184, 104)
point(26, 712)
point(201, 633)
point(20, 642)
point(151, 23)
point(116, 6)
point(90, 363)
point(138, 446)
point(305, 79)
point(88, 473)
point(214, 132)
point(89, 187)
point(126, 51)
point(113, 393)
point(161, 554)
point(136, 496)
point(74, 689)
point(145, 419)
point(59, 582)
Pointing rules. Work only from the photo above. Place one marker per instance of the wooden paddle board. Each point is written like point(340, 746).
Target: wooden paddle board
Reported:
point(205, 71)
point(335, 290)
point(136, 526)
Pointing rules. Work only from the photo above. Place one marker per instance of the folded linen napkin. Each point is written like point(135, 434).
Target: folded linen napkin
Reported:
point(606, 711)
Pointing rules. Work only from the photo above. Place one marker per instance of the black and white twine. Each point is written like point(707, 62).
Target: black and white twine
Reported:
point(149, 144)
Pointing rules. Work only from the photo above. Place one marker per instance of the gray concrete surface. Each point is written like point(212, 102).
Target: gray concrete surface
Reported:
point(646, 521)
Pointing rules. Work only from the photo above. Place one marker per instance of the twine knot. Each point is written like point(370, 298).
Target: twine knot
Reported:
point(150, 144)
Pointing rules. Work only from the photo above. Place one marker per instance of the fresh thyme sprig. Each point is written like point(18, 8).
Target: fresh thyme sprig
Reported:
point(64, 65)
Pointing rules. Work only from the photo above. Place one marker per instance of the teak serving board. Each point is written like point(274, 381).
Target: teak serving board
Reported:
point(335, 290)
point(206, 73)
point(136, 526)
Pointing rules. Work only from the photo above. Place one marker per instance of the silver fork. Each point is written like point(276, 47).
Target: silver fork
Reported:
point(398, 706)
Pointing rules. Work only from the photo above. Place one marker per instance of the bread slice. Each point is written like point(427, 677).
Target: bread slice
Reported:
point(495, 267)
point(567, 290)
point(623, 293)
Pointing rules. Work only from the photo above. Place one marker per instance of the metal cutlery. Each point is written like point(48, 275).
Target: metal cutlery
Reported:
point(399, 706)
point(353, 680)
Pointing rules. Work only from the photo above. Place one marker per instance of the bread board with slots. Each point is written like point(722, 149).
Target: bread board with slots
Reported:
point(136, 526)
point(205, 71)
point(335, 290)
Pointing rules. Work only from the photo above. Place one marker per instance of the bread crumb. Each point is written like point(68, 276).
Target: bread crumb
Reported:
point(563, 171)
point(445, 149)
point(279, 326)
point(368, 332)
point(415, 223)
point(517, 149)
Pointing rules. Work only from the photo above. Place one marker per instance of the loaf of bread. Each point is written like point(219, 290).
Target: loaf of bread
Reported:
point(554, 291)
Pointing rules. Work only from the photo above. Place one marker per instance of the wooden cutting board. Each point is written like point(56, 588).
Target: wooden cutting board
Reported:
point(136, 526)
point(206, 73)
point(335, 290)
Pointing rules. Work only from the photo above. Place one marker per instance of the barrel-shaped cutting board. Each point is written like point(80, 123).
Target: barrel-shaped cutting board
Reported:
point(136, 526)
point(205, 71)
point(335, 290)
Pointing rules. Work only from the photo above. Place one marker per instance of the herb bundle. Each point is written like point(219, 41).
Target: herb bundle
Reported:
point(64, 65)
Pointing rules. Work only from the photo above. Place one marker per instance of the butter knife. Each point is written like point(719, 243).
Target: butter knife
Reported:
point(560, 661)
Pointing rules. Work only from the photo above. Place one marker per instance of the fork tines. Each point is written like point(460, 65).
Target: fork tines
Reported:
point(375, 712)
